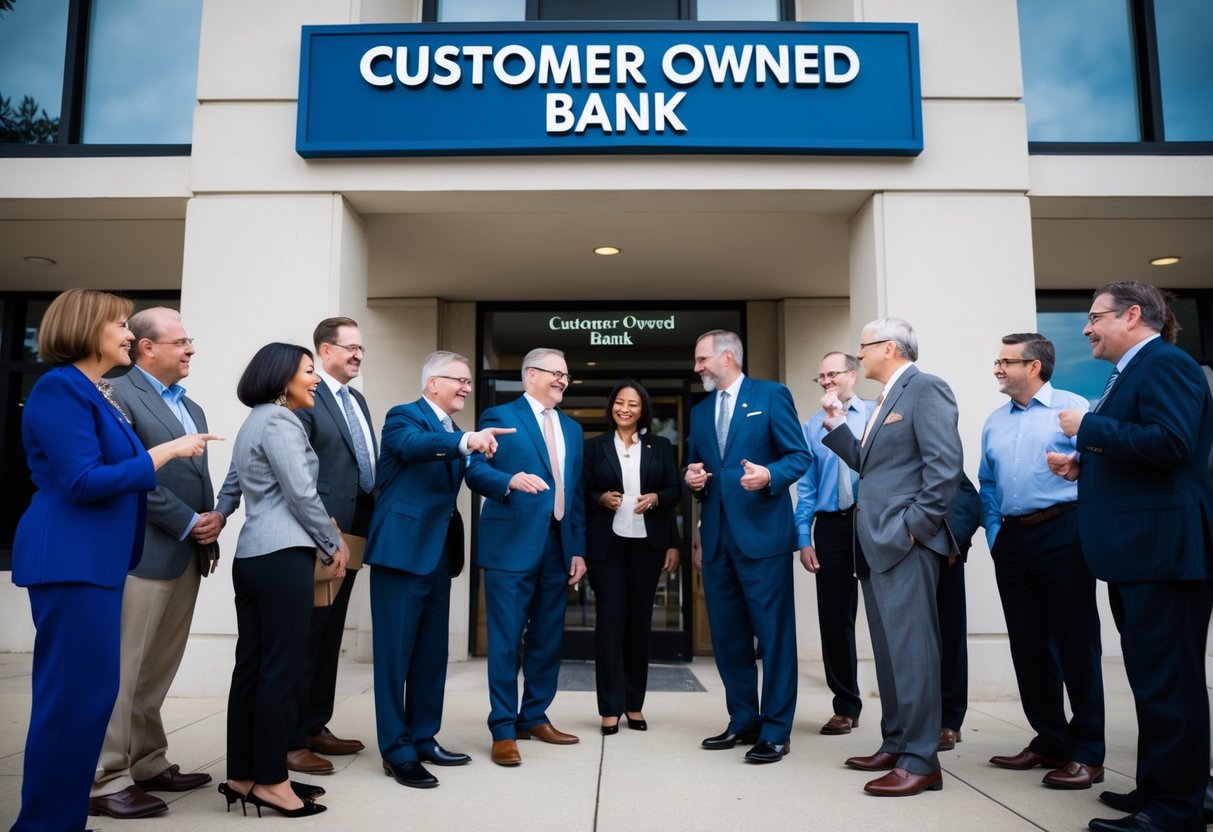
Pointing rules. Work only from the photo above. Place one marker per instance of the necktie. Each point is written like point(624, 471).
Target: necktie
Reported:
point(846, 492)
point(872, 419)
point(549, 437)
point(447, 424)
point(722, 421)
point(1107, 388)
point(365, 482)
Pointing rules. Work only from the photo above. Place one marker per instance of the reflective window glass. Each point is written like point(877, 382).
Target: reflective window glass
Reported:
point(737, 10)
point(1185, 63)
point(474, 11)
point(608, 10)
point(32, 38)
point(142, 76)
point(1078, 72)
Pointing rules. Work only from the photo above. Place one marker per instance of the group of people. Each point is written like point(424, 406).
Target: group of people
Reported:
point(1121, 493)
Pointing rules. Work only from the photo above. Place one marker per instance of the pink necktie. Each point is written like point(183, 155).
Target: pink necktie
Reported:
point(549, 437)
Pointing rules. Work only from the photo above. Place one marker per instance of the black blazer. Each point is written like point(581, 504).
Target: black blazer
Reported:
point(657, 475)
point(337, 484)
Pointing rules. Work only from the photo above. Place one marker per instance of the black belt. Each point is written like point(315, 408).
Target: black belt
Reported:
point(1038, 517)
point(845, 512)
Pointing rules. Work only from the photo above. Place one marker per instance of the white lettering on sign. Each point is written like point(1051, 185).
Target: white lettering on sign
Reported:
point(608, 332)
point(594, 113)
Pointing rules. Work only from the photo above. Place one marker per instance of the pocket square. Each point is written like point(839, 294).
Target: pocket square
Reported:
point(893, 418)
point(755, 413)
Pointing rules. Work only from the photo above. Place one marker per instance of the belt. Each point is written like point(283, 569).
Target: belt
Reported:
point(1038, 517)
point(845, 512)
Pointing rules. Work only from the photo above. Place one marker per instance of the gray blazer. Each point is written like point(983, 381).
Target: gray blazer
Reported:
point(274, 467)
point(909, 470)
point(183, 485)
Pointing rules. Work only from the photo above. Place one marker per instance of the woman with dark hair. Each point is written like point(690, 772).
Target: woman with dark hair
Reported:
point(286, 529)
point(632, 489)
point(82, 532)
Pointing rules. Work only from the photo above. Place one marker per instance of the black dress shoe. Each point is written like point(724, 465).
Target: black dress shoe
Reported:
point(172, 780)
point(1139, 822)
point(608, 730)
point(1127, 802)
point(637, 724)
point(768, 752)
point(439, 756)
point(131, 802)
point(730, 738)
point(411, 774)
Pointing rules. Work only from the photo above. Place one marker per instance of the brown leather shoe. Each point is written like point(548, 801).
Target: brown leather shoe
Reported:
point(172, 780)
point(326, 743)
point(948, 739)
point(901, 783)
point(306, 761)
point(131, 802)
point(1025, 760)
point(1074, 776)
point(548, 733)
point(880, 761)
point(505, 753)
point(839, 724)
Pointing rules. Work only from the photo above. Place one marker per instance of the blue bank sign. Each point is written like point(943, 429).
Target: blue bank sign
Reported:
point(442, 89)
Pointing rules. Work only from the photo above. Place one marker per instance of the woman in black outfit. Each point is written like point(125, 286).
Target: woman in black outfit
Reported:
point(632, 489)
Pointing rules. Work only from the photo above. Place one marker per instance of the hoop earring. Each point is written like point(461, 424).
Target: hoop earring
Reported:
point(281, 400)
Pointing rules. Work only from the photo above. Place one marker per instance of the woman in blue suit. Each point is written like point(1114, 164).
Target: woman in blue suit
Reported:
point(81, 533)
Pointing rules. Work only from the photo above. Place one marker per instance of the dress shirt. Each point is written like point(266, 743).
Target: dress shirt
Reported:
point(173, 397)
point(817, 490)
point(334, 385)
point(1133, 351)
point(538, 409)
point(627, 523)
point(442, 414)
point(1015, 478)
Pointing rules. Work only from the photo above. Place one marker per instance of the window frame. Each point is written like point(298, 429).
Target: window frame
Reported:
point(687, 10)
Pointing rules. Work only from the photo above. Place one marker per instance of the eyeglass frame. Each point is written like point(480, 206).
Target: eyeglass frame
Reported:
point(557, 374)
point(181, 343)
point(1006, 362)
point(351, 348)
point(864, 346)
point(462, 382)
point(1094, 317)
point(829, 376)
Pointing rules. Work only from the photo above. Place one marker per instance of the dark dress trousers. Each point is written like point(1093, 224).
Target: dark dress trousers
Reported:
point(414, 549)
point(624, 571)
point(337, 485)
point(81, 533)
point(1145, 511)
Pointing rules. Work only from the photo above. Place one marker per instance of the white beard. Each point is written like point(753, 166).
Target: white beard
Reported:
point(709, 384)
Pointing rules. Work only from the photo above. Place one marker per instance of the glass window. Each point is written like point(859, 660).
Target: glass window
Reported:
point(142, 75)
point(474, 11)
point(32, 38)
point(1078, 71)
point(737, 10)
point(609, 10)
point(1185, 63)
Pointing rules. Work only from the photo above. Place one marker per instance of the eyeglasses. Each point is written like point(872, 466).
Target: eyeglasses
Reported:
point(830, 376)
point(1095, 316)
point(180, 343)
point(874, 343)
point(1007, 362)
point(351, 348)
point(462, 382)
point(559, 376)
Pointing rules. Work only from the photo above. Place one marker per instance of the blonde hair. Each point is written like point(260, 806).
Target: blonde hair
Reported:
point(71, 328)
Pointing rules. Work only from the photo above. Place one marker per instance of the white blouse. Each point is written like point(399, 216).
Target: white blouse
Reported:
point(627, 522)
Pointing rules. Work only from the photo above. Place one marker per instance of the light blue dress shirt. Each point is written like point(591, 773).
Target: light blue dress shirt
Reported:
point(173, 397)
point(817, 490)
point(1014, 476)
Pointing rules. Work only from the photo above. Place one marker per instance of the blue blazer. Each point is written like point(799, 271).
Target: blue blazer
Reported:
point(514, 525)
point(766, 431)
point(85, 523)
point(420, 471)
point(1145, 497)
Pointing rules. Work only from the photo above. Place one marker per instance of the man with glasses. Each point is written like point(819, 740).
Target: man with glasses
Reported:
point(745, 450)
point(341, 433)
point(532, 549)
point(909, 459)
point(825, 516)
point(1047, 591)
point(159, 595)
point(1145, 517)
point(415, 547)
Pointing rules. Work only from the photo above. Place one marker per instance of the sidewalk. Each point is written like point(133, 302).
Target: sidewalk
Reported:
point(629, 782)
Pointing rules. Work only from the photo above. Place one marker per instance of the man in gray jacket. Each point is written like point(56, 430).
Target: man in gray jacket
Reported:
point(158, 599)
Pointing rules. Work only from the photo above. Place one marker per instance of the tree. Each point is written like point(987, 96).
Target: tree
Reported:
point(29, 123)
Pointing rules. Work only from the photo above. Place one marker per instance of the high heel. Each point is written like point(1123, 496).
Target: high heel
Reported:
point(607, 730)
point(306, 791)
point(231, 795)
point(306, 810)
point(636, 724)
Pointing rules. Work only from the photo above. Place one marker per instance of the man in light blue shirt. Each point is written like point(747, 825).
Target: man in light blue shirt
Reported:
point(1048, 593)
point(825, 496)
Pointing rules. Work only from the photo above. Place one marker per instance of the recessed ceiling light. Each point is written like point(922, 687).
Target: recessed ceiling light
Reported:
point(1169, 260)
point(591, 363)
point(577, 381)
point(39, 261)
point(606, 251)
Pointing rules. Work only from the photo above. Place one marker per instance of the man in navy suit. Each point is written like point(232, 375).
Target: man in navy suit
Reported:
point(532, 548)
point(1145, 510)
point(745, 450)
point(416, 547)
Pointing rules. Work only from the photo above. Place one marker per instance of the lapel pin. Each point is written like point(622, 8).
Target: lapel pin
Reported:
point(745, 404)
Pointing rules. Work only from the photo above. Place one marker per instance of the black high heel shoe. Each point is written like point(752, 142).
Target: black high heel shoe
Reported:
point(231, 795)
point(607, 730)
point(306, 791)
point(636, 724)
point(306, 810)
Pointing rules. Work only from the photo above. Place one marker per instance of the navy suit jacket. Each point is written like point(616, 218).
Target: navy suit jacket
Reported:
point(766, 431)
point(329, 434)
point(86, 521)
point(513, 524)
point(657, 476)
point(1145, 496)
point(420, 471)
